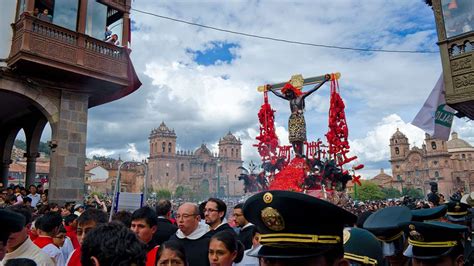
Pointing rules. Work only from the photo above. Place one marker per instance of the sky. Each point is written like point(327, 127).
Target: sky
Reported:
point(203, 83)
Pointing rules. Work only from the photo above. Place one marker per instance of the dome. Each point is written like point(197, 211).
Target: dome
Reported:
point(457, 143)
point(203, 150)
point(398, 135)
point(230, 137)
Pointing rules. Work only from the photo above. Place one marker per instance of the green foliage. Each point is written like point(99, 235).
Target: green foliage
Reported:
point(413, 193)
point(42, 147)
point(20, 144)
point(183, 192)
point(103, 158)
point(391, 193)
point(368, 191)
point(163, 194)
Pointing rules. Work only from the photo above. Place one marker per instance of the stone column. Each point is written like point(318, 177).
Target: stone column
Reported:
point(66, 180)
point(30, 168)
point(4, 172)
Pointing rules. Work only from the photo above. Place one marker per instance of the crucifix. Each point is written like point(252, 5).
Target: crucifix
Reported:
point(292, 91)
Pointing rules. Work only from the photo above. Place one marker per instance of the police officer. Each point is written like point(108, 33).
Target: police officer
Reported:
point(297, 229)
point(435, 243)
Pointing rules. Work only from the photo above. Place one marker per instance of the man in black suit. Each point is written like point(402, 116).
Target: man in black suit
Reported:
point(165, 227)
point(246, 229)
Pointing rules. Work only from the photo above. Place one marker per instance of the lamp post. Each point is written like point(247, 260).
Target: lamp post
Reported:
point(145, 192)
point(218, 178)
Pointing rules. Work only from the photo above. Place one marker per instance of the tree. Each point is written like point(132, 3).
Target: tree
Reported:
point(183, 192)
point(369, 191)
point(391, 193)
point(163, 194)
point(414, 193)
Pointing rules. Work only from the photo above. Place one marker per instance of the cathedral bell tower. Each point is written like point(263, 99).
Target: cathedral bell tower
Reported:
point(399, 146)
point(162, 142)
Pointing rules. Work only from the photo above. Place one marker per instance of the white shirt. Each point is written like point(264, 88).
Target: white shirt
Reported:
point(55, 254)
point(30, 251)
point(248, 260)
point(34, 199)
point(67, 248)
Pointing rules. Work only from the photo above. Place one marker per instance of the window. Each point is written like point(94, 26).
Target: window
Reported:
point(436, 173)
point(182, 167)
point(204, 167)
point(167, 174)
point(463, 156)
point(396, 141)
point(21, 8)
point(457, 17)
point(397, 150)
point(163, 146)
point(435, 163)
point(96, 20)
point(433, 145)
point(65, 13)
point(169, 147)
point(232, 153)
point(236, 152)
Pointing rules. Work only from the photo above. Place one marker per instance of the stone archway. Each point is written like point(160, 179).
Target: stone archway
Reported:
point(66, 112)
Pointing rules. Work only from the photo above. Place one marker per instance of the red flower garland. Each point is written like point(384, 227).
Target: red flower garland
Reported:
point(338, 133)
point(268, 140)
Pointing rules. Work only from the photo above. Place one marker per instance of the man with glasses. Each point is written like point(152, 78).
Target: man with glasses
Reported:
point(246, 229)
point(192, 235)
point(214, 214)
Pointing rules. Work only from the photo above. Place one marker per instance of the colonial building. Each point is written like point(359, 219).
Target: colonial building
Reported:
point(200, 170)
point(449, 163)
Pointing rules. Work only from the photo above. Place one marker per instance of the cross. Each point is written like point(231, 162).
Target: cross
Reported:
point(298, 81)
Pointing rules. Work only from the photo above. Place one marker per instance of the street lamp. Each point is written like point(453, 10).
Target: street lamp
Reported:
point(218, 178)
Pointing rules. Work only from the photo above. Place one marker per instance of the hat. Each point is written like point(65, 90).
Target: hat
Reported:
point(457, 211)
point(295, 225)
point(431, 240)
point(384, 223)
point(362, 246)
point(468, 199)
point(421, 215)
point(11, 222)
point(77, 206)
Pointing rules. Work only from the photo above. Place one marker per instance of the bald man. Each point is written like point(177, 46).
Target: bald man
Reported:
point(191, 234)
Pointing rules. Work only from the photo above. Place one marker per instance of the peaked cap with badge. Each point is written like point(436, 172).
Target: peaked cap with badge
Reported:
point(427, 214)
point(362, 246)
point(431, 240)
point(384, 223)
point(295, 225)
point(457, 211)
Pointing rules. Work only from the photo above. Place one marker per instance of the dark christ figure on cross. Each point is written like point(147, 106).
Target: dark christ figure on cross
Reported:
point(296, 123)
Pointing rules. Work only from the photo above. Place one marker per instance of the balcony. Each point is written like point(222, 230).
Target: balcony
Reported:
point(68, 59)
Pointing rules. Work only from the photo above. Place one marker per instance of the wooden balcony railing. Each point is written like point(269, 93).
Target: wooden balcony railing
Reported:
point(45, 43)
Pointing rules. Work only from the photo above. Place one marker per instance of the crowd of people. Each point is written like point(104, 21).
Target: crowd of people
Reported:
point(269, 228)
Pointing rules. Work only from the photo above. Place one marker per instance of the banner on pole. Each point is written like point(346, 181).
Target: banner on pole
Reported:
point(435, 117)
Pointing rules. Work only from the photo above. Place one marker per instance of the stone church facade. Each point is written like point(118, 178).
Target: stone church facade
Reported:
point(449, 163)
point(200, 170)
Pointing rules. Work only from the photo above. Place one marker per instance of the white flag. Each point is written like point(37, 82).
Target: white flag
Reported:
point(435, 117)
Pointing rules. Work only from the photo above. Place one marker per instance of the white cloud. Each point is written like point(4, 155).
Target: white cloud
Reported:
point(375, 145)
point(381, 90)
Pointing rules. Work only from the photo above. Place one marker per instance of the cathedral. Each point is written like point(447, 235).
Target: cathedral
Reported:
point(449, 163)
point(200, 170)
